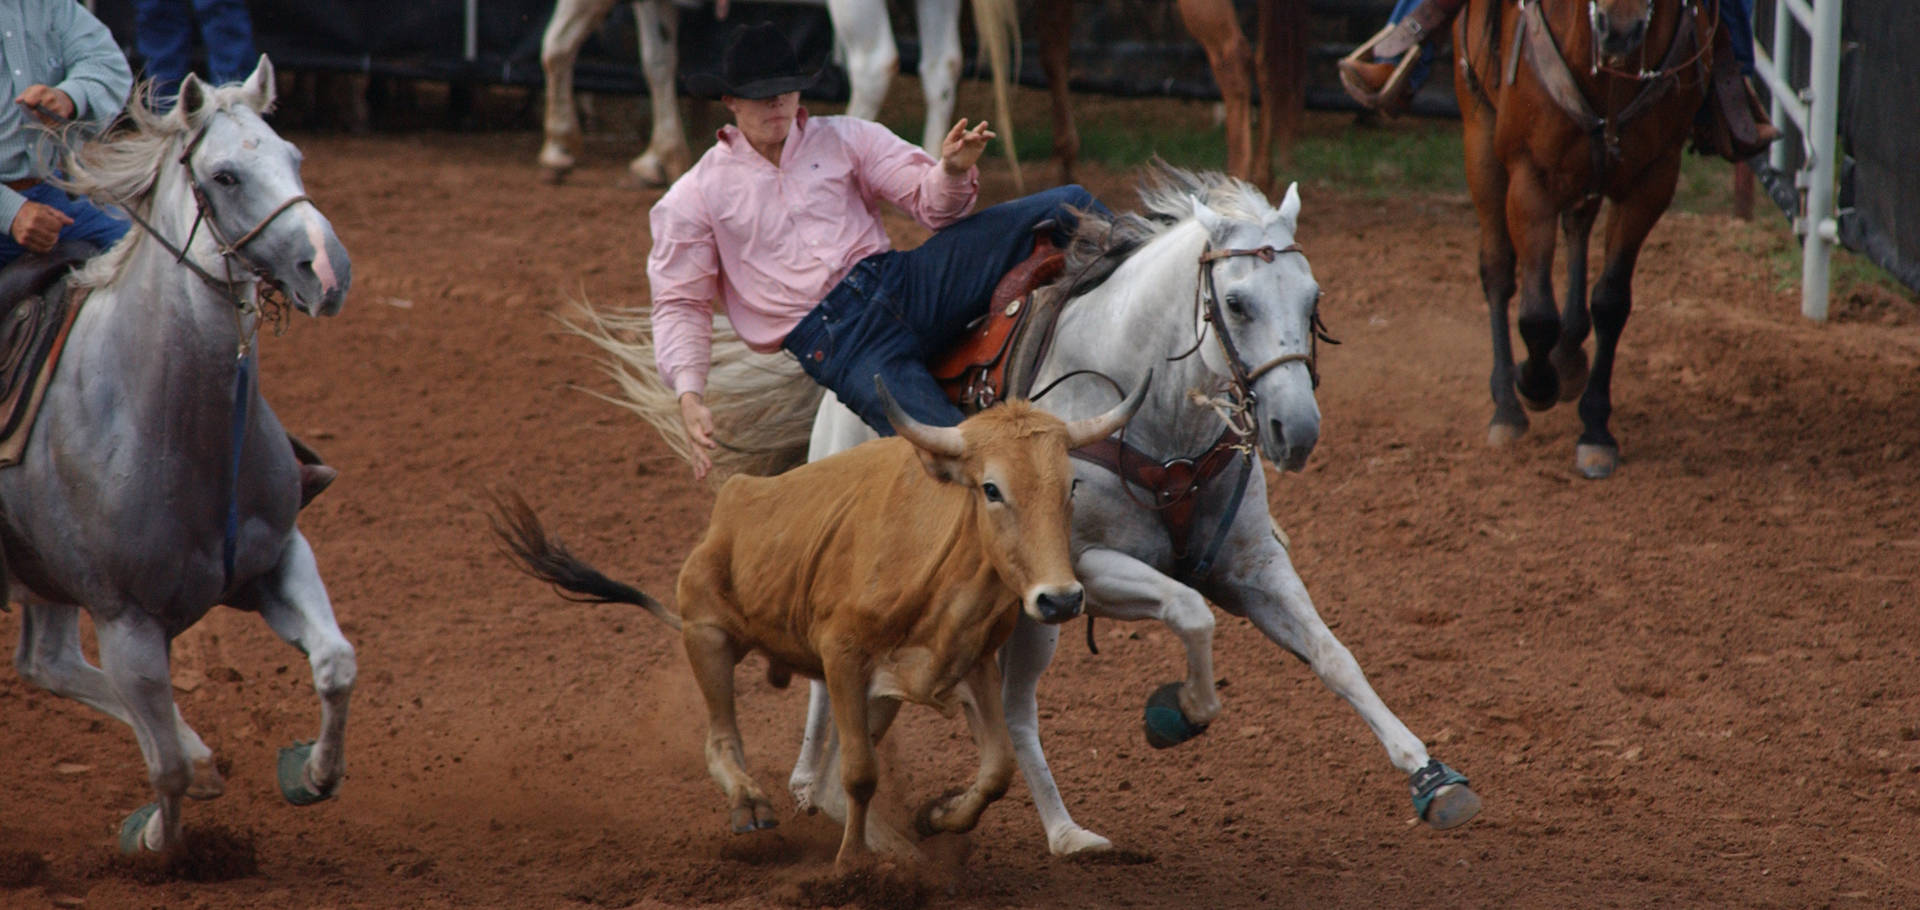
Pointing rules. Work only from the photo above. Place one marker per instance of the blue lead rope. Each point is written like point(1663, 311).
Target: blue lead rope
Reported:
point(242, 396)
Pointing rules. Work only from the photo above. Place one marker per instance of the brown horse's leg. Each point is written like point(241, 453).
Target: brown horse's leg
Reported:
point(1487, 178)
point(1569, 358)
point(1055, 18)
point(1531, 217)
point(1213, 24)
point(1598, 453)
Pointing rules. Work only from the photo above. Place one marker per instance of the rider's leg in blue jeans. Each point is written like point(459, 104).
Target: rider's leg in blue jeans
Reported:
point(1418, 77)
point(897, 310)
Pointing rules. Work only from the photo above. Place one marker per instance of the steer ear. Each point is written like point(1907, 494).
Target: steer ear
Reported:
point(1094, 429)
point(940, 448)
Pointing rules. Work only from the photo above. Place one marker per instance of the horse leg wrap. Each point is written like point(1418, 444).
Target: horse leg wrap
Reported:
point(292, 772)
point(1442, 810)
point(1166, 724)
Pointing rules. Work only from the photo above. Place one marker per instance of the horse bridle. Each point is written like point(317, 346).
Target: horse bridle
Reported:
point(1207, 301)
point(230, 250)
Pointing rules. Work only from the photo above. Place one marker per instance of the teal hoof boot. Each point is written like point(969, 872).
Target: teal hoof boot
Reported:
point(293, 776)
point(1167, 726)
point(1441, 796)
point(134, 829)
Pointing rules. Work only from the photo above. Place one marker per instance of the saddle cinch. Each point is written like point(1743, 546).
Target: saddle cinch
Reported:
point(37, 310)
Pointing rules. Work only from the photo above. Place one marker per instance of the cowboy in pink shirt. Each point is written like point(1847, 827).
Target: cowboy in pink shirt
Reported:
point(780, 222)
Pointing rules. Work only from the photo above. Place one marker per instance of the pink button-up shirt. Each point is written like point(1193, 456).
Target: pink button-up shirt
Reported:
point(771, 242)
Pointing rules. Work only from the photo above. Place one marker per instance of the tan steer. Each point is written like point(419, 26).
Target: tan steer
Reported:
point(892, 570)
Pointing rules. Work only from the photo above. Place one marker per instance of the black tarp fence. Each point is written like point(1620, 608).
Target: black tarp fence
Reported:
point(1120, 47)
point(1879, 183)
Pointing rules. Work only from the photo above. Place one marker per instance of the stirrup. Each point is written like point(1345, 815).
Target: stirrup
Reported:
point(1390, 98)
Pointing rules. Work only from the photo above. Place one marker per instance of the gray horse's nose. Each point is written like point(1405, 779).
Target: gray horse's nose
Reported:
point(1294, 448)
point(1059, 607)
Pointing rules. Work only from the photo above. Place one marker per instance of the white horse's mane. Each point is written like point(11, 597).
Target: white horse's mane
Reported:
point(1167, 195)
point(121, 167)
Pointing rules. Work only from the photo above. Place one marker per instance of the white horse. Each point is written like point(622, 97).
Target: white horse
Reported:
point(1219, 302)
point(861, 29)
point(157, 482)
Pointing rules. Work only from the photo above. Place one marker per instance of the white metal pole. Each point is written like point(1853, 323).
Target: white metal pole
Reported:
point(472, 47)
point(1782, 54)
point(1822, 229)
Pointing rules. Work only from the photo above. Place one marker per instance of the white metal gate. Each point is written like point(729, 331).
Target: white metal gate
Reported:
point(1816, 111)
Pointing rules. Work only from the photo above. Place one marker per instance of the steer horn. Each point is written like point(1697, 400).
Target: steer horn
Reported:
point(945, 441)
point(1094, 429)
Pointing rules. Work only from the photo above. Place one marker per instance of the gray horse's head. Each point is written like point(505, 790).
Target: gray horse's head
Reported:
point(1266, 305)
point(251, 177)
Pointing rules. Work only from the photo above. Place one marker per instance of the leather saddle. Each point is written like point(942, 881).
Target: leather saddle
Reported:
point(36, 312)
point(995, 359)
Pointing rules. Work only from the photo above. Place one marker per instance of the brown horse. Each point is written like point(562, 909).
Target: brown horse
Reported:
point(1279, 64)
point(1567, 102)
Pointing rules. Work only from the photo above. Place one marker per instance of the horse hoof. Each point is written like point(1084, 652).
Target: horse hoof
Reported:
point(1595, 462)
point(553, 176)
point(1501, 435)
point(207, 782)
point(1442, 797)
point(133, 830)
point(1166, 725)
point(292, 772)
point(1538, 391)
point(1078, 842)
point(1573, 372)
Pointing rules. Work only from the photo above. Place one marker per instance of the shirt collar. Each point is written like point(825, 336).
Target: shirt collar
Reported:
point(730, 136)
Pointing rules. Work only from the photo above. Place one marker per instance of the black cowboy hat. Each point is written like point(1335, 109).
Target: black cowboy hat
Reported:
point(758, 63)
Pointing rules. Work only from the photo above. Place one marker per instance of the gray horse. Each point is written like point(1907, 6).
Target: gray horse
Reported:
point(1219, 302)
point(157, 482)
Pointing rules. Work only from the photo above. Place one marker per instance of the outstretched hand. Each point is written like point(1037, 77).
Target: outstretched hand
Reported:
point(962, 147)
point(698, 422)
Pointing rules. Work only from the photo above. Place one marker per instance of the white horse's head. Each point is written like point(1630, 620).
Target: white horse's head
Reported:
point(254, 198)
point(1259, 309)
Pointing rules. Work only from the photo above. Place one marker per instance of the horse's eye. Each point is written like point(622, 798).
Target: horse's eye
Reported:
point(1236, 306)
point(226, 178)
point(991, 492)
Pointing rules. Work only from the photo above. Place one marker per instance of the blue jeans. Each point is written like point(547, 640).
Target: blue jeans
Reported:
point(90, 222)
point(163, 33)
point(896, 310)
point(1736, 16)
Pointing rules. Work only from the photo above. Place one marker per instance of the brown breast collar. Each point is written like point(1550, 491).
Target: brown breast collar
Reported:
point(1174, 486)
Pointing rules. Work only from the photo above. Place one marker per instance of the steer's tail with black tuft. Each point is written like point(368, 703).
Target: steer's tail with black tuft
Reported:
point(537, 555)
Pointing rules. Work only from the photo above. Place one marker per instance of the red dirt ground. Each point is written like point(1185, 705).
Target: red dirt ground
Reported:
point(1695, 684)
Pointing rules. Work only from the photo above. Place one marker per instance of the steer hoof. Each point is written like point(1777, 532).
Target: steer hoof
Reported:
point(292, 772)
point(932, 817)
point(1441, 796)
point(750, 818)
point(1166, 725)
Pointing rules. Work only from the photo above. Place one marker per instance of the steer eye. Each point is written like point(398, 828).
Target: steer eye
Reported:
point(991, 492)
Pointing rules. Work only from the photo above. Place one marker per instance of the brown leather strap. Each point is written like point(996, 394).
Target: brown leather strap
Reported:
point(1173, 484)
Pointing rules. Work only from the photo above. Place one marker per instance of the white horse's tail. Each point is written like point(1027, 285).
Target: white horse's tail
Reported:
point(763, 404)
point(997, 23)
